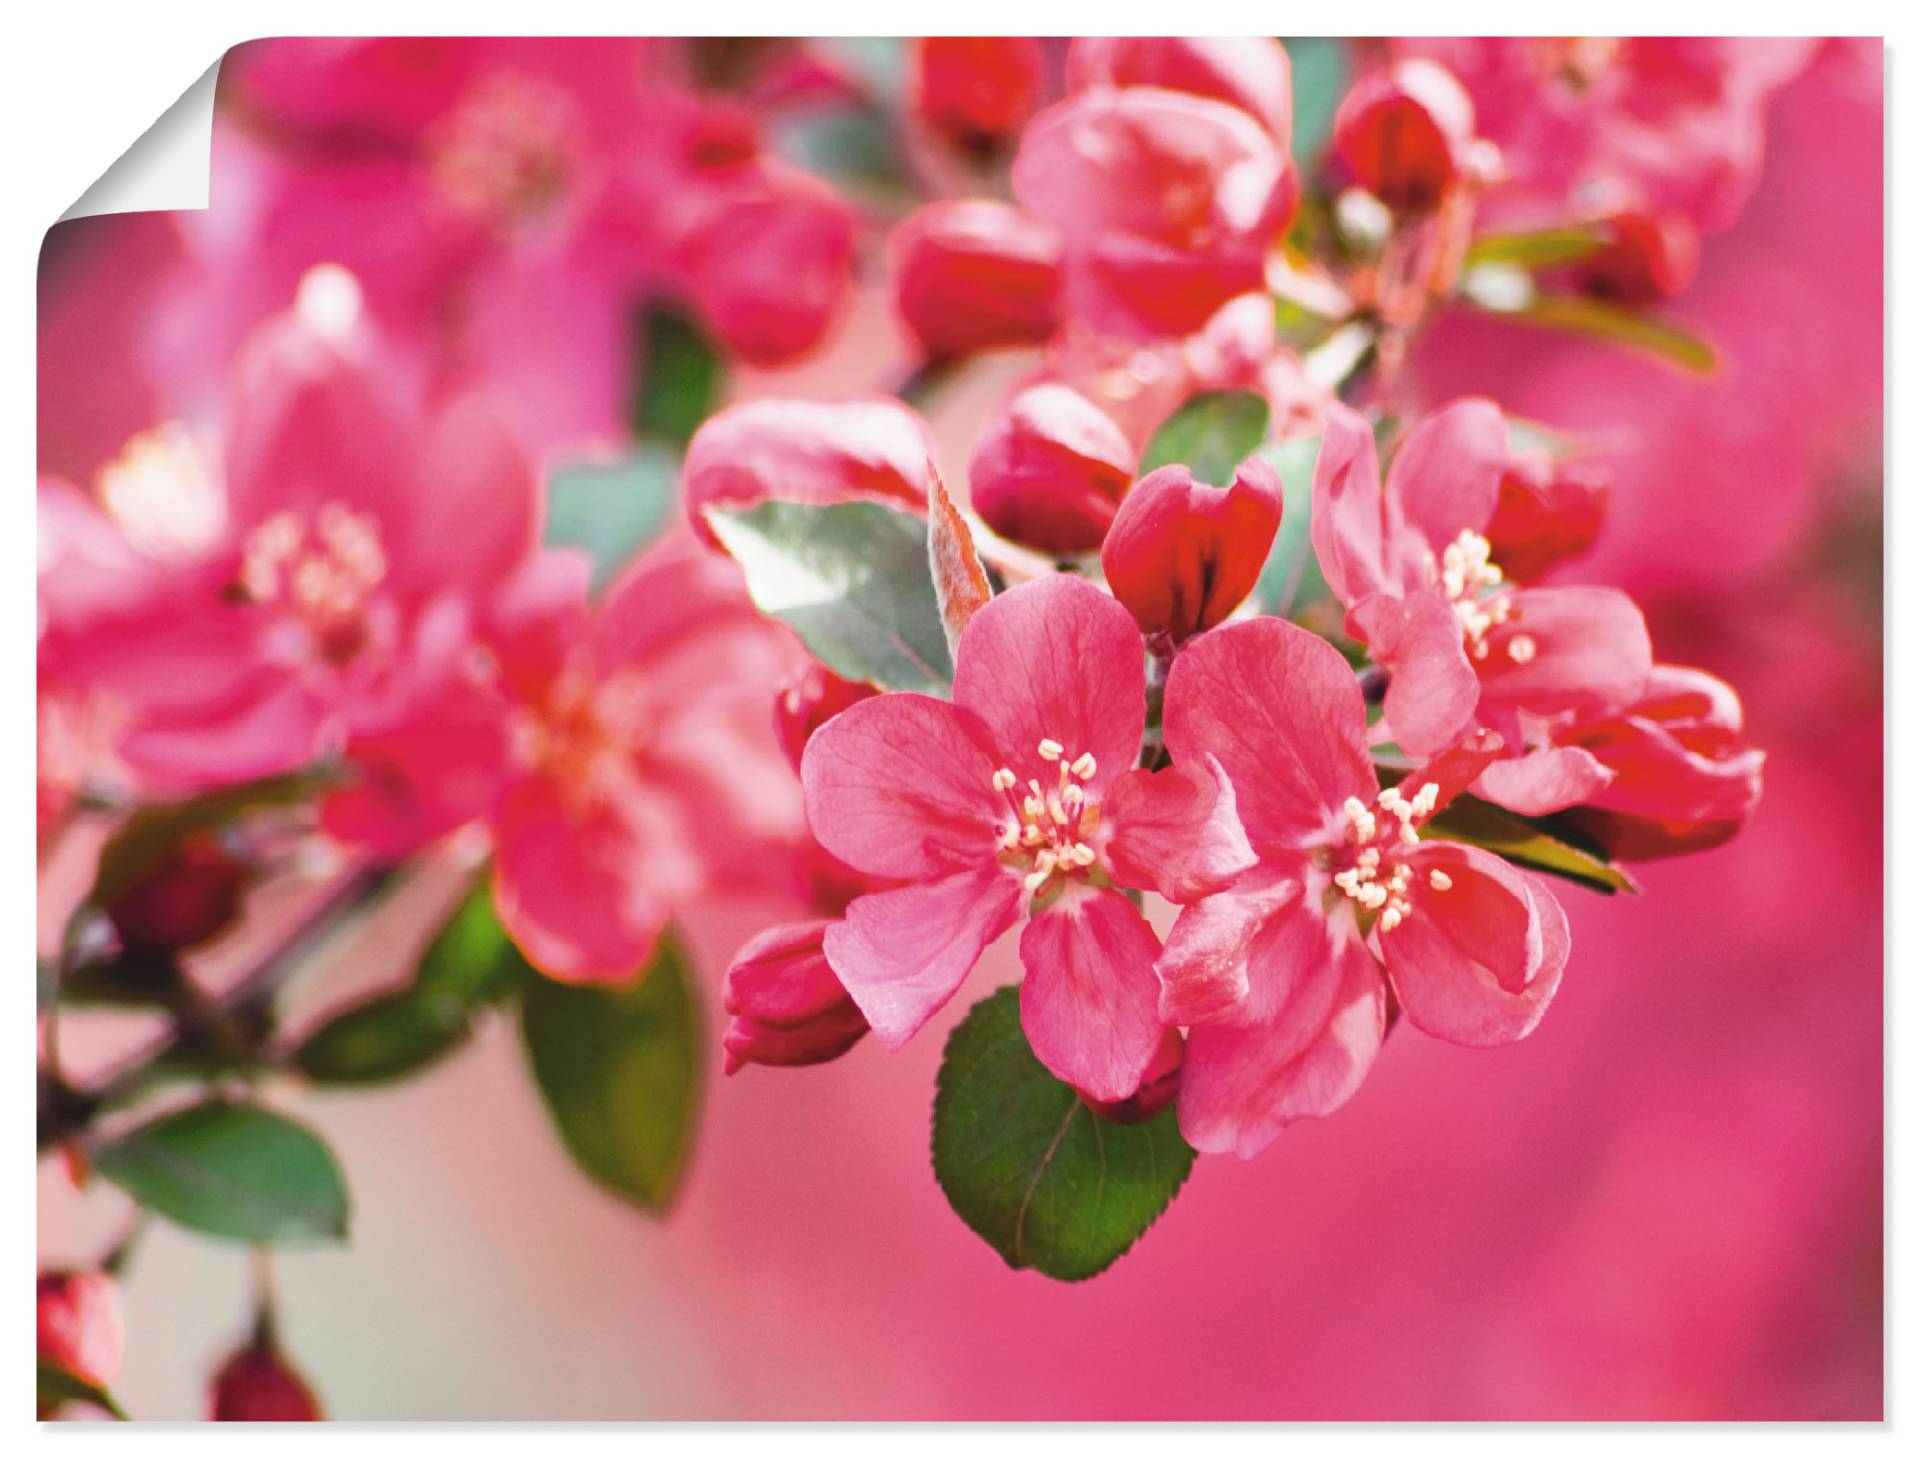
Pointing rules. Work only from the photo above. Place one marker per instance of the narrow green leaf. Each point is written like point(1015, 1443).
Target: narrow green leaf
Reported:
point(680, 376)
point(232, 1170)
point(1029, 1167)
point(611, 509)
point(382, 1038)
point(853, 580)
point(1546, 248)
point(55, 1384)
point(1319, 65)
point(151, 835)
point(1493, 289)
point(1210, 435)
point(1538, 844)
point(1291, 577)
point(620, 1070)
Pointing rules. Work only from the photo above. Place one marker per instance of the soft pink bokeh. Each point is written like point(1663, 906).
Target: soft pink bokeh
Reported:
point(1667, 1202)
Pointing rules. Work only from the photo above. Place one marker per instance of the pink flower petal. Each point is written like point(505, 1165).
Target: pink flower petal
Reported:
point(1207, 969)
point(1241, 1086)
point(1282, 712)
point(1176, 831)
point(273, 723)
point(1478, 962)
point(1588, 650)
point(901, 954)
point(1088, 1001)
point(1432, 689)
point(1056, 659)
point(479, 517)
point(1352, 532)
point(902, 786)
point(1543, 781)
point(1446, 474)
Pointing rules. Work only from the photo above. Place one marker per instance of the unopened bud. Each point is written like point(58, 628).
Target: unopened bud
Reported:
point(1646, 259)
point(78, 1325)
point(972, 274)
point(811, 696)
point(1406, 133)
point(788, 1007)
point(975, 91)
point(258, 1385)
point(189, 900)
point(1050, 470)
point(1548, 511)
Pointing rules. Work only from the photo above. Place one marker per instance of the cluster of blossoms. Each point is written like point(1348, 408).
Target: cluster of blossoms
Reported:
point(1227, 711)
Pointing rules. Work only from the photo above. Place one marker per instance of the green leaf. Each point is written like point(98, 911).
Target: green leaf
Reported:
point(611, 509)
point(853, 580)
point(1546, 248)
point(232, 1170)
point(55, 1384)
point(1291, 577)
point(381, 1039)
point(471, 962)
point(150, 836)
point(680, 376)
point(1509, 293)
point(1210, 435)
point(1029, 1167)
point(1538, 843)
point(620, 1070)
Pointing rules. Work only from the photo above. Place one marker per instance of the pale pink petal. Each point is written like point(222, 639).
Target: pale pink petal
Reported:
point(1445, 477)
point(272, 724)
point(1281, 711)
point(1585, 648)
point(1431, 689)
point(1478, 961)
point(1349, 526)
point(902, 786)
point(901, 954)
point(1056, 659)
point(1088, 1000)
point(1241, 1086)
point(1207, 969)
point(478, 516)
point(1175, 831)
point(1543, 780)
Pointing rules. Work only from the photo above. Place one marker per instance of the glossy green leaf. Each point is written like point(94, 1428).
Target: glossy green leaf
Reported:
point(472, 960)
point(1537, 844)
point(1506, 291)
point(1291, 577)
point(620, 1070)
point(55, 1385)
point(383, 1038)
point(232, 1170)
point(612, 509)
point(853, 580)
point(150, 836)
point(681, 376)
point(1029, 1167)
point(1210, 435)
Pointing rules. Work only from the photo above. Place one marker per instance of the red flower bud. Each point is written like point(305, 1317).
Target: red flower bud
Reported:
point(1158, 1085)
point(258, 1385)
point(975, 91)
point(1646, 259)
point(78, 1324)
point(1685, 777)
point(1405, 133)
point(1548, 511)
point(191, 899)
point(873, 449)
point(1050, 470)
point(788, 1008)
point(812, 695)
point(971, 274)
point(1183, 554)
point(1251, 73)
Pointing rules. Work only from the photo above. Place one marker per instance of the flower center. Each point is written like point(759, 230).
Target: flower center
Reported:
point(322, 570)
point(586, 731)
point(503, 155)
point(1475, 589)
point(1050, 828)
point(1376, 878)
point(163, 492)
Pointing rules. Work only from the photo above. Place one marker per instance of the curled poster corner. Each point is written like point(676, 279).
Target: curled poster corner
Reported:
point(169, 166)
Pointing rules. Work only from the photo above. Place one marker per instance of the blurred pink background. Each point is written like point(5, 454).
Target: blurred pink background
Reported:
point(1667, 1203)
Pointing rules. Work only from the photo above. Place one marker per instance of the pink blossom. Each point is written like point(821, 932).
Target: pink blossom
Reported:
point(639, 776)
point(1279, 978)
point(975, 91)
point(972, 274)
point(1168, 202)
point(78, 1325)
point(1250, 72)
point(1049, 470)
point(1412, 564)
point(1017, 799)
